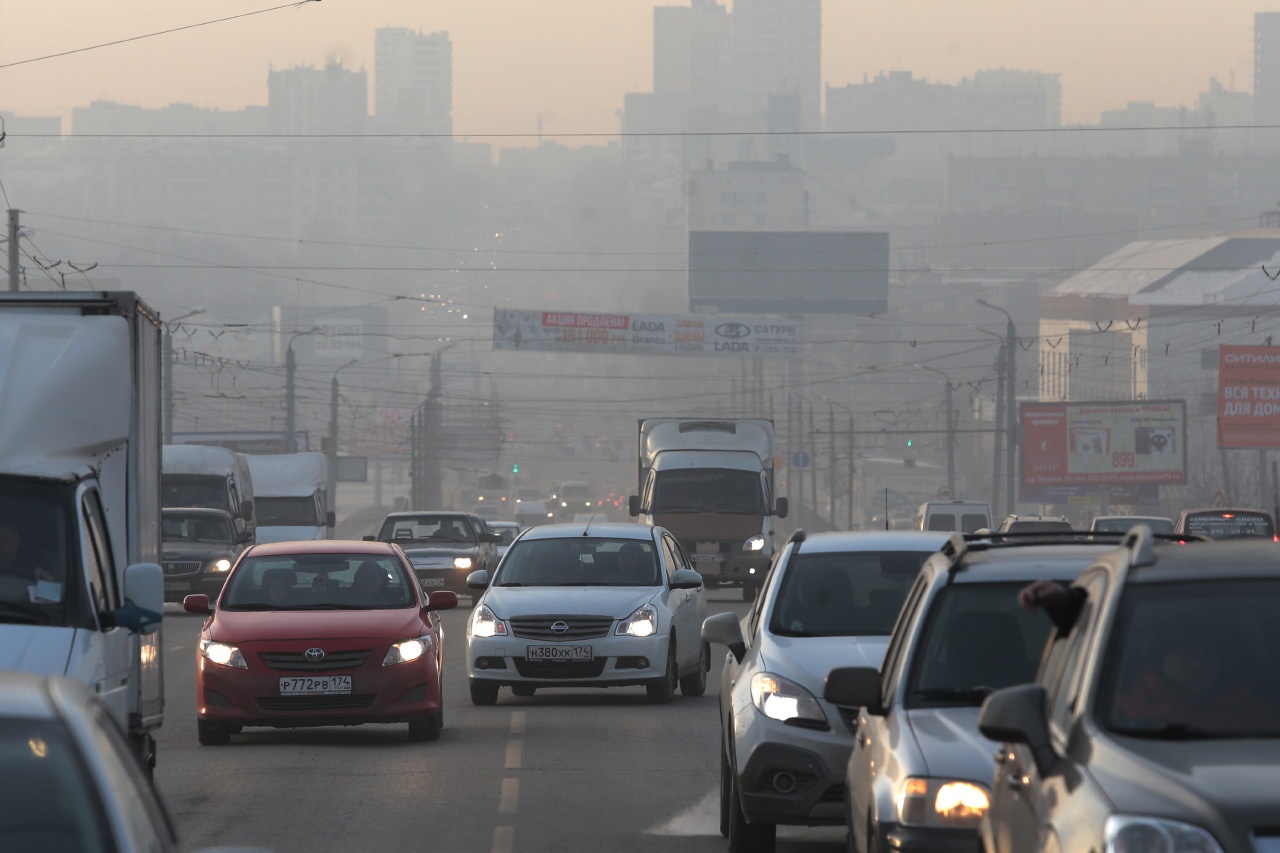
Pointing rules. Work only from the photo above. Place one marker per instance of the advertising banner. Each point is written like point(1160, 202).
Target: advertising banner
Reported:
point(1103, 444)
point(646, 334)
point(1249, 397)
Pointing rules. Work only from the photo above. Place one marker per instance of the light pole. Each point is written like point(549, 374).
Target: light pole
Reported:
point(849, 466)
point(1010, 403)
point(168, 372)
point(331, 487)
point(951, 430)
point(290, 368)
point(997, 435)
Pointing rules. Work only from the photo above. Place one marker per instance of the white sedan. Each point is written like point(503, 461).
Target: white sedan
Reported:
point(589, 605)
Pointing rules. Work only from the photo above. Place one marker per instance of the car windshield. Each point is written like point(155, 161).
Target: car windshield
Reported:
point(1194, 660)
point(703, 489)
point(318, 582)
point(199, 527)
point(579, 562)
point(853, 594)
point(287, 512)
point(195, 490)
point(975, 639)
point(1230, 525)
point(1120, 524)
point(46, 802)
point(35, 537)
point(508, 534)
point(428, 528)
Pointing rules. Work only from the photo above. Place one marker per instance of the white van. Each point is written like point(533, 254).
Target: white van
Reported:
point(961, 516)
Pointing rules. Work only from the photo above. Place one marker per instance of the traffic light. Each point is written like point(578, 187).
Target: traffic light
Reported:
point(515, 467)
point(910, 442)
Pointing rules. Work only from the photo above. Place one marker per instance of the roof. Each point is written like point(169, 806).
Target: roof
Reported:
point(320, 546)
point(994, 563)
point(1234, 559)
point(592, 530)
point(873, 540)
point(1200, 271)
point(197, 459)
point(25, 695)
point(288, 474)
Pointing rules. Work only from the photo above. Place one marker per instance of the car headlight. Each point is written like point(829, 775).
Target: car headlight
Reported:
point(782, 699)
point(941, 802)
point(642, 623)
point(485, 624)
point(223, 565)
point(407, 651)
point(1136, 834)
point(222, 654)
point(755, 543)
point(463, 562)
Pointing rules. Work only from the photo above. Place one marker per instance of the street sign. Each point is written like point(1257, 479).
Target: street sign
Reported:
point(800, 459)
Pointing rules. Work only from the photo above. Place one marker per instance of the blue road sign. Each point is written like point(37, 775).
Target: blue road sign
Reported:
point(800, 459)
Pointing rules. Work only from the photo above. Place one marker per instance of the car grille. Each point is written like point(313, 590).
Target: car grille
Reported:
point(834, 794)
point(353, 702)
point(181, 567)
point(580, 627)
point(297, 661)
point(559, 670)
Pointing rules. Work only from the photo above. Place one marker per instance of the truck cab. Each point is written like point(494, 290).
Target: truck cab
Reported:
point(214, 477)
point(291, 496)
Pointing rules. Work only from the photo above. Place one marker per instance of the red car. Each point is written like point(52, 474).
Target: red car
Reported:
point(323, 633)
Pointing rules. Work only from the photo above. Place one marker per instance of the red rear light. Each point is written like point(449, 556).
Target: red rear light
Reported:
point(1228, 515)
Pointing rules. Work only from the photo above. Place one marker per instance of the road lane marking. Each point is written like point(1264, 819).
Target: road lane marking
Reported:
point(510, 796)
point(515, 752)
point(503, 839)
point(176, 648)
point(517, 722)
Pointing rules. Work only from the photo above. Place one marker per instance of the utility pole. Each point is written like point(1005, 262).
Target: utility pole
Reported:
point(831, 463)
point(290, 365)
point(168, 385)
point(951, 442)
point(1011, 423)
point(331, 484)
point(997, 450)
point(13, 250)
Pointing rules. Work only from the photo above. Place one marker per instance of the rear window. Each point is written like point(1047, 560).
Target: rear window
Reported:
point(1043, 526)
point(844, 595)
point(1230, 525)
point(1121, 524)
point(441, 529)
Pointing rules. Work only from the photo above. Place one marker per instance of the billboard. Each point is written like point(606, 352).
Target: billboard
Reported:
point(789, 272)
point(1103, 444)
point(646, 334)
point(1249, 397)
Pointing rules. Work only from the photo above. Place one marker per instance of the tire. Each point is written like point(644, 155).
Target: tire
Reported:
point(748, 591)
point(726, 789)
point(483, 693)
point(523, 689)
point(211, 735)
point(696, 684)
point(426, 728)
point(748, 837)
point(662, 690)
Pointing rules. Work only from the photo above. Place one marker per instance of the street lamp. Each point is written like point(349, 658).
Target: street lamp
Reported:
point(168, 371)
point(1011, 405)
point(290, 368)
point(951, 430)
point(331, 487)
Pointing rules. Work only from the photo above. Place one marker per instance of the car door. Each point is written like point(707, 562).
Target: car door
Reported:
point(110, 650)
point(683, 604)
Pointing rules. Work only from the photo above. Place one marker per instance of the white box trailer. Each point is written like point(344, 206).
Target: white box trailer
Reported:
point(81, 589)
point(291, 496)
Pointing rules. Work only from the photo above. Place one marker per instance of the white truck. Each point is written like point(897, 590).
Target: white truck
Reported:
point(290, 496)
point(199, 475)
point(710, 482)
point(81, 589)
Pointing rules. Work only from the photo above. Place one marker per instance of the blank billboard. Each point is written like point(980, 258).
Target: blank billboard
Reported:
point(789, 272)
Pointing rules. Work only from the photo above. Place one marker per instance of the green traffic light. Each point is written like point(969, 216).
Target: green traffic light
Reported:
point(910, 441)
point(515, 467)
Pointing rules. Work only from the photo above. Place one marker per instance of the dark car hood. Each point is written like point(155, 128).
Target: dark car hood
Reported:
point(1201, 782)
point(951, 744)
point(181, 549)
point(242, 627)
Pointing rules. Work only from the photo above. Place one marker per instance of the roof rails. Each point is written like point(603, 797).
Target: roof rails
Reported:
point(1140, 543)
point(798, 537)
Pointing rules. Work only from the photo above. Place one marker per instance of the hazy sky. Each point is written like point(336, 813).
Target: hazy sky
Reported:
point(572, 60)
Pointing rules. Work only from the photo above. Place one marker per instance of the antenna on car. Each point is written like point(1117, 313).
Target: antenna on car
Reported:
point(587, 529)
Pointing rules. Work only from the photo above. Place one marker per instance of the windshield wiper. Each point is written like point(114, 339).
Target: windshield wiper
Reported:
point(13, 611)
point(968, 695)
point(787, 632)
point(512, 583)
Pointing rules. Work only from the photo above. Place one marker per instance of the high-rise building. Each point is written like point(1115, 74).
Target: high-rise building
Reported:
point(413, 81)
point(777, 49)
point(318, 101)
point(691, 51)
point(1266, 68)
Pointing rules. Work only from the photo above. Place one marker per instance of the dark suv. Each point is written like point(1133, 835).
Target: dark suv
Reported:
point(1154, 721)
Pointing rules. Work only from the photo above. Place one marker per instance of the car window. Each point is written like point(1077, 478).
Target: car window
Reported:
point(1065, 690)
point(898, 639)
point(580, 561)
point(670, 560)
point(1192, 659)
point(972, 522)
point(975, 639)
point(1038, 526)
point(757, 606)
point(857, 593)
point(319, 582)
point(102, 583)
point(942, 521)
point(429, 528)
point(1229, 525)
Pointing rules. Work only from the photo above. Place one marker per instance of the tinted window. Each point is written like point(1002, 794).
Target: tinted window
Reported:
point(972, 522)
point(193, 527)
point(579, 562)
point(508, 534)
point(1122, 524)
point(1038, 526)
point(1194, 659)
point(420, 528)
point(195, 491)
point(34, 539)
point(694, 489)
point(1229, 525)
point(942, 521)
point(318, 582)
point(975, 639)
point(844, 595)
point(296, 512)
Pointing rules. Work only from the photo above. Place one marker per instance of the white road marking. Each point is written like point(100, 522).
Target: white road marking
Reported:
point(176, 648)
point(503, 839)
point(515, 752)
point(510, 796)
point(517, 722)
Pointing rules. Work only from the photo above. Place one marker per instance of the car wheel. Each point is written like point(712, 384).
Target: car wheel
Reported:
point(523, 689)
point(748, 591)
point(696, 684)
point(748, 837)
point(211, 735)
point(726, 789)
point(426, 728)
point(483, 694)
point(662, 690)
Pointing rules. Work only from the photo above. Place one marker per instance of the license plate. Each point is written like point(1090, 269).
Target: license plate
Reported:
point(306, 685)
point(176, 586)
point(558, 654)
point(706, 558)
point(433, 582)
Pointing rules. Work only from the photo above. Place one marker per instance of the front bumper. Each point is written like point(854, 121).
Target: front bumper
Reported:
point(450, 578)
point(615, 662)
point(928, 839)
point(251, 697)
point(177, 587)
point(792, 774)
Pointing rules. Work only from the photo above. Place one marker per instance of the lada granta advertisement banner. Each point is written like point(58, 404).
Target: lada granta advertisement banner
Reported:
point(1103, 443)
point(1249, 397)
point(646, 334)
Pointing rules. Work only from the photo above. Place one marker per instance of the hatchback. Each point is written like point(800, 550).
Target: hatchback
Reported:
point(320, 633)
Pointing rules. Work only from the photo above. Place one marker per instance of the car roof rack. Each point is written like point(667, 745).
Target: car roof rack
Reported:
point(798, 537)
point(1139, 541)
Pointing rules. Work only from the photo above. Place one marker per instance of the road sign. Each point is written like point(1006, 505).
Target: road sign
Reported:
point(800, 459)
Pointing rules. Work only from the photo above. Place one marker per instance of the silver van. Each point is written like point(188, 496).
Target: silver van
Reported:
point(954, 516)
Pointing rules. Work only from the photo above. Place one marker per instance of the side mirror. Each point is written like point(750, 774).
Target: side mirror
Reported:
point(143, 607)
point(478, 579)
point(1017, 715)
point(330, 519)
point(197, 603)
point(686, 579)
point(442, 599)
point(495, 538)
point(723, 628)
point(781, 507)
point(246, 509)
point(854, 687)
point(633, 505)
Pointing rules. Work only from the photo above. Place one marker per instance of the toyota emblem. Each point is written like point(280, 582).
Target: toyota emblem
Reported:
point(559, 627)
point(314, 655)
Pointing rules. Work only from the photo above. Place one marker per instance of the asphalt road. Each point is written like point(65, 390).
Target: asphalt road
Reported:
point(562, 771)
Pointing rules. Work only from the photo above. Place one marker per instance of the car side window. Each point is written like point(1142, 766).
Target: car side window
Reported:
point(755, 614)
point(892, 666)
point(670, 557)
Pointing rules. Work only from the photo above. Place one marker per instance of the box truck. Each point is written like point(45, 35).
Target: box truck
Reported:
point(199, 475)
point(290, 496)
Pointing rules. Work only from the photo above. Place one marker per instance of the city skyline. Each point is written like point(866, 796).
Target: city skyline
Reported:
point(567, 65)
